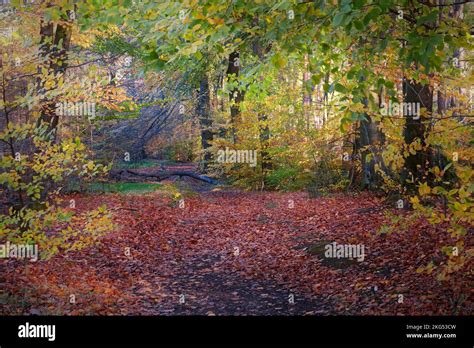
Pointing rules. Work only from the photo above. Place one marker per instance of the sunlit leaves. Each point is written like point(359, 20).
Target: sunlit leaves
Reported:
point(31, 179)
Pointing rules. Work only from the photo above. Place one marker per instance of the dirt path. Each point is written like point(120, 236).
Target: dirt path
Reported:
point(212, 277)
point(236, 253)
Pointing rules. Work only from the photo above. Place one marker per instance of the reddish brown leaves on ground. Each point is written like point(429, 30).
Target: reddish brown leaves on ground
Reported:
point(241, 253)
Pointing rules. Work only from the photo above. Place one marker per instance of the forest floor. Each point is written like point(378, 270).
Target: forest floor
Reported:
point(228, 252)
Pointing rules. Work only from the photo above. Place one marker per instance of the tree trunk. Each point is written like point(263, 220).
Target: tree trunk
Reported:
point(416, 165)
point(369, 141)
point(54, 47)
point(307, 95)
point(264, 139)
point(205, 120)
point(236, 95)
point(326, 99)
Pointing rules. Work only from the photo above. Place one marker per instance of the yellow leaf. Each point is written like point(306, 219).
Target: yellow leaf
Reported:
point(424, 189)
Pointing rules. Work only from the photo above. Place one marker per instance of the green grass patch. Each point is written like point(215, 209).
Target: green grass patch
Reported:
point(124, 187)
point(146, 163)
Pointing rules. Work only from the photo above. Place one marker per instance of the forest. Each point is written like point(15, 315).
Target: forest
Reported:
point(236, 157)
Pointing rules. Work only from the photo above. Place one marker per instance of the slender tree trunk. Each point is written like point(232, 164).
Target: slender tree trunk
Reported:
point(264, 141)
point(54, 47)
point(307, 95)
point(456, 13)
point(236, 96)
point(205, 120)
point(326, 99)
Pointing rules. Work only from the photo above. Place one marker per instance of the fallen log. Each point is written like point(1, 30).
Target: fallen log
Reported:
point(162, 175)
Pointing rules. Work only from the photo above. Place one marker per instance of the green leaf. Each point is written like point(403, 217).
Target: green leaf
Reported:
point(340, 88)
point(338, 19)
point(278, 61)
point(431, 17)
point(371, 15)
point(359, 25)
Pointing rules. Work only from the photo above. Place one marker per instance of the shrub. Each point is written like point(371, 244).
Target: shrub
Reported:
point(32, 180)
